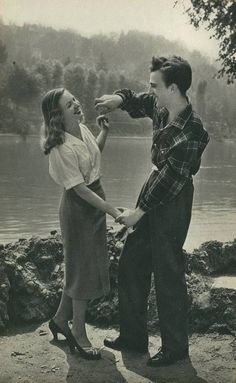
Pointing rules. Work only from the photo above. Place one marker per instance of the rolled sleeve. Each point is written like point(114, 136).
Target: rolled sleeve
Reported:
point(64, 167)
point(137, 105)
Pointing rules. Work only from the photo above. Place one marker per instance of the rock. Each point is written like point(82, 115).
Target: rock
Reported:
point(213, 257)
point(35, 288)
point(31, 275)
point(4, 298)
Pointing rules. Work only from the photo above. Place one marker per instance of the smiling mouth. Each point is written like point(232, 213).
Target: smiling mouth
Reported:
point(78, 111)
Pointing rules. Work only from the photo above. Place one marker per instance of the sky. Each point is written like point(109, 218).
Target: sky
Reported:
point(88, 17)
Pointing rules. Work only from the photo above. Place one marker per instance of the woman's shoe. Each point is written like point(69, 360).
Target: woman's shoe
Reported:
point(89, 352)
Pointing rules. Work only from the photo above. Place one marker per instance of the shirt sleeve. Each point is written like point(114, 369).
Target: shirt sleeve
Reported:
point(170, 180)
point(64, 167)
point(138, 105)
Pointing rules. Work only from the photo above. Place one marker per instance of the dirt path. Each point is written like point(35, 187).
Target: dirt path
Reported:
point(30, 356)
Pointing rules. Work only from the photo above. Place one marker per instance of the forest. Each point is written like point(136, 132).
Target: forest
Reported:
point(34, 59)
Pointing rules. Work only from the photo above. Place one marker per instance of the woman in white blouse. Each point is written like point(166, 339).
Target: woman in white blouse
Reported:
point(74, 163)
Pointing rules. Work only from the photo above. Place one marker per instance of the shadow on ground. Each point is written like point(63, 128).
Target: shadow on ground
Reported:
point(180, 372)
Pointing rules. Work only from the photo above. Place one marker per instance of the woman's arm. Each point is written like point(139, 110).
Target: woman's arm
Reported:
point(93, 199)
point(103, 124)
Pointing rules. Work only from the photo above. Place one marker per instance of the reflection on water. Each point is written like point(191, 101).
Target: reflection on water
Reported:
point(30, 199)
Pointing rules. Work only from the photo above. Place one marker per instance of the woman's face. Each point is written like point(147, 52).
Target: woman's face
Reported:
point(71, 108)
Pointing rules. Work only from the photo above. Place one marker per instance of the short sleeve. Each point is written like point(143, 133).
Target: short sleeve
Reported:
point(64, 168)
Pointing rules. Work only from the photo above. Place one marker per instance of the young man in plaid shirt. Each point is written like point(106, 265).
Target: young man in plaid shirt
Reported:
point(163, 212)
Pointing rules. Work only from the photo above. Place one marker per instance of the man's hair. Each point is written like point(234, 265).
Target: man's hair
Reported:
point(175, 70)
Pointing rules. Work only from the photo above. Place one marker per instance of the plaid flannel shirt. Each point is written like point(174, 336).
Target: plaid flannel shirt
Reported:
point(176, 148)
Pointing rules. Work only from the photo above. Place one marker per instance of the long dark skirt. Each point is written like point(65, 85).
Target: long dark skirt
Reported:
point(83, 229)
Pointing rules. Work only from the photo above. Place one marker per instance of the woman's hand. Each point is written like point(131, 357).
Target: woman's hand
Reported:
point(108, 102)
point(103, 122)
point(129, 218)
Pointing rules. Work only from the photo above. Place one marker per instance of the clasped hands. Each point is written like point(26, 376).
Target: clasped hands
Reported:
point(129, 217)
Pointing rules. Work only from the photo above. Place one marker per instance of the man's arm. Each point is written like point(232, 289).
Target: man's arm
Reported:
point(137, 105)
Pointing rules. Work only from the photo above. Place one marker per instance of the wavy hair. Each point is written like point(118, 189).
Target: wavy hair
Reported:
point(53, 130)
point(174, 70)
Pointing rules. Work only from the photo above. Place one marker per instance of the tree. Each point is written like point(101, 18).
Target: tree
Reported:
point(101, 83)
point(22, 86)
point(219, 16)
point(44, 75)
point(101, 64)
point(3, 53)
point(91, 85)
point(200, 98)
point(57, 75)
point(74, 79)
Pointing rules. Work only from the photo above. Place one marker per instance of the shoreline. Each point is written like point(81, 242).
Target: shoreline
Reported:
point(111, 136)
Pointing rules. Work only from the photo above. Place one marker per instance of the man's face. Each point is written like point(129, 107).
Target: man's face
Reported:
point(158, 87)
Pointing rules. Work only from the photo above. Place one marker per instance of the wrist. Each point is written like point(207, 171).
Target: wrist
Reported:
point(105, 130)
point(139, 212)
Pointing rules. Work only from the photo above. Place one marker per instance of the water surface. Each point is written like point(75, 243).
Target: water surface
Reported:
point(29, 198)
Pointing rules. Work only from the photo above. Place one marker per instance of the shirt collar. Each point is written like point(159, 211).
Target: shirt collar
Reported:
point(69, 138)
point(182, 118)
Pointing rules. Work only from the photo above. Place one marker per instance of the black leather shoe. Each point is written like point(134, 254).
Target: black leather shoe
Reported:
point(122, 345)
point(163, 358)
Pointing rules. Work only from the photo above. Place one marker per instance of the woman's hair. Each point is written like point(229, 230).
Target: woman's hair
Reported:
point(53, 130)
point(174, 70)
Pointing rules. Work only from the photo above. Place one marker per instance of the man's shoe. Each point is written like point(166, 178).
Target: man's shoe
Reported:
point(122, 345)
point(165, 358)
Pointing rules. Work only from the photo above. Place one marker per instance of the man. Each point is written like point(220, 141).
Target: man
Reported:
point(163, 212)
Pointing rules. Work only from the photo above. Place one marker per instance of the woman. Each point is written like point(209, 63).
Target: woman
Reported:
point(74, 163)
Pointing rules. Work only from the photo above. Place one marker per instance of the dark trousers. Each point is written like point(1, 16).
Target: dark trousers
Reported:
point(156, 246)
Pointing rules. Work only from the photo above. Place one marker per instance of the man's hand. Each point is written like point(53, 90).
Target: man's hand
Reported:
point(107, 103)
point(103, 122)
point(129, 218)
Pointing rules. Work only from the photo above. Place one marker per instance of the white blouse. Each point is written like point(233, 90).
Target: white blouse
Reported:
point(75, 161)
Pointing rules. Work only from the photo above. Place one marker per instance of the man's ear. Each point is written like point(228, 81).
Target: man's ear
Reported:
point(173, 87)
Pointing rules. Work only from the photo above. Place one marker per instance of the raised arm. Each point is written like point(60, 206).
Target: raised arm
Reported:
point(137, 105)
point(103, 124)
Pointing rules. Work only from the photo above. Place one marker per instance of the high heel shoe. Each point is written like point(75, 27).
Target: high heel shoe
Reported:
point(90, 352)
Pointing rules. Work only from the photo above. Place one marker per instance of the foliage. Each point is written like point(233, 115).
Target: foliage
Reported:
point(3, 53)
point(74, 79)
point(41, 63)
point(219, 16)
point(22, 86)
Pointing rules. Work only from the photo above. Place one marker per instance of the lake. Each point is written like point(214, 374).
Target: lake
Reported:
point(30, 199)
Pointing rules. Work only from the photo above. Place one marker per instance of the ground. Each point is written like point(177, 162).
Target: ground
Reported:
point(29, 355)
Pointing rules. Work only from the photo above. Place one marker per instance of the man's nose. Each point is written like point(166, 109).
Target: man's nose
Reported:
point(150, 89)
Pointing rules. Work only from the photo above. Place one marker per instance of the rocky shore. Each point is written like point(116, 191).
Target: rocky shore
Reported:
point(31, 277)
